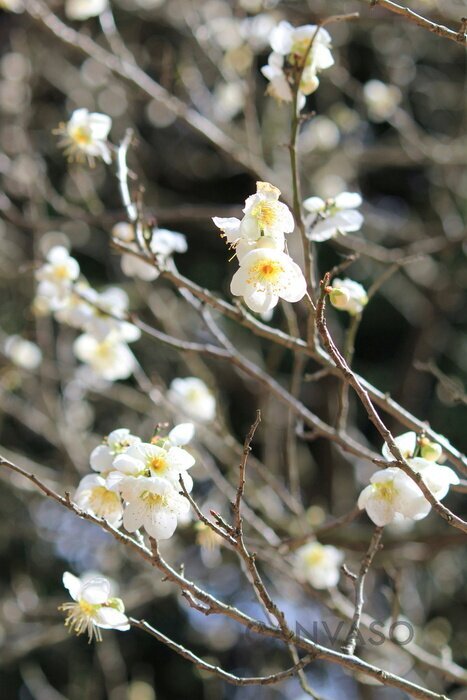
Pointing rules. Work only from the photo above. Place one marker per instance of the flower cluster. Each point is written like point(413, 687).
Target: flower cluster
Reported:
point(298, 54)
point(137, 483)
point(161, 242)
point(104, 343)
point(93, 608)
point(327, 218)
point(266, 272)
point(347, 295)
point(393, 496)
point(84, 136)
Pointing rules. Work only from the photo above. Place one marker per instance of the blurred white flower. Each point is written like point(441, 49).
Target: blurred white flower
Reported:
point(264, 215)
point(116, 443)
point(110, 359)
point(264, 276)
point(381, 100)
point(12, 5)
point(84, 9)
point(348, 295)
point(392, 494)
point(93, 608)
point(291, 46)
point(152, 503)
point(192, 396)
point(85, 136)
point(164, 243)
point(93, 496)
point(56, 276)
point(228, 100)
point(329, 217)
point(147, 460)
point(73, 309)
point(181, 434)
point(22, 352)
point(318, 564)
point(107, 308)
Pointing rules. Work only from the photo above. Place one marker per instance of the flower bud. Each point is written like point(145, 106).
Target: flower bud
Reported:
point(430, 450)
point(339, 298)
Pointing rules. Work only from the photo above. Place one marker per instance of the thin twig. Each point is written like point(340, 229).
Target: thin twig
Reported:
point(351, 641)
point(459, 37)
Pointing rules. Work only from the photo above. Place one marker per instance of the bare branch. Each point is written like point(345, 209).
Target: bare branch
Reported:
point(351, 641)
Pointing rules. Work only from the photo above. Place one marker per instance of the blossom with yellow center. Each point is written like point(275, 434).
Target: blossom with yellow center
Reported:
point(392, 495)
point(263, 216)
point(421, 455)
point(110, 359)
point(264, 276)
point(93, 608)
point(93, 496)
point(152, 503)
point(193, 398)
point(318, 564)
point(148, 460)
point(84, 136)
point(117, 442)
point(306, 47)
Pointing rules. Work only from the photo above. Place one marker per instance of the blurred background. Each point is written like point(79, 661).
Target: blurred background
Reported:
point(388, 120)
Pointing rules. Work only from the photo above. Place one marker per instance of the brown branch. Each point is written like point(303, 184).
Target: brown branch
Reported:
point(132, 72)
point(351, 641)
point(242, 473)
point(213, 605)
point(459, 37)
point(351, 378)
point(216, 670)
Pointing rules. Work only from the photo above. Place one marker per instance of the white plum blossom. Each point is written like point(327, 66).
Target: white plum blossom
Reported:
point(407, 444)
point(74, 310)
point(163, 243)
point(84, 9)
point(23, 353)
point(264, 215)
point(290, 48)
point(181, 434)
point(329, 217)
point(93, 496)
point(348, 295)
point(107, 310)
point(381, 100)
point(438, 477)
point(92, 608)
point(85, 136)
point(318, 564)
point(391, 496)
point(56, 276)
point(116, 443)
point(110, 358)
point(147, 460)
point(193, 398)
point(152, 503)
point(421, 455)
point(411, 445)
point(264, 276)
